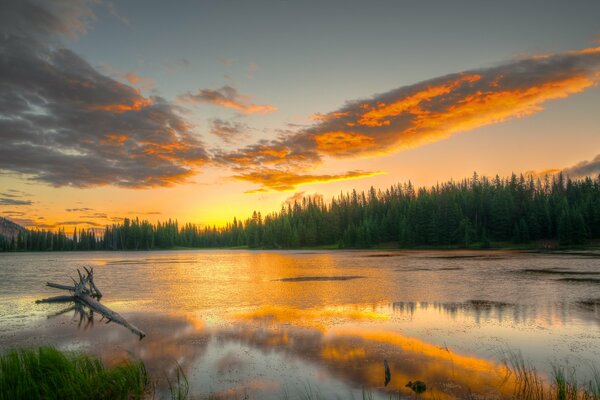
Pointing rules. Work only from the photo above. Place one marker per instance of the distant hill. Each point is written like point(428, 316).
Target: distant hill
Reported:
point(9, 229)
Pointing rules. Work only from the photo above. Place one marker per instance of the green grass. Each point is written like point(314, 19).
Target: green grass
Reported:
point(46, 373)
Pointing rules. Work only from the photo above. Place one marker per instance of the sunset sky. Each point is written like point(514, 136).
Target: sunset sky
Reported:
point(202, 111)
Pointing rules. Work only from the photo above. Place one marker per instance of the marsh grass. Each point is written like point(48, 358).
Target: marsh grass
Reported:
point(46, 373)
point(563, 385)
point(179, 387)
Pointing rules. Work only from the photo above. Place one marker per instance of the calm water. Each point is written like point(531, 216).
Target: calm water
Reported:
point(238, 325)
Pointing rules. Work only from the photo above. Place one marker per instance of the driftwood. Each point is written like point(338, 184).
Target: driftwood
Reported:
point(85, 292)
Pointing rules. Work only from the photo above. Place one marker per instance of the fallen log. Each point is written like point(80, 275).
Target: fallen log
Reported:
point(57, 299)
point(85, 292)
point(59, 286)
point(93, 286)
point(101, 309)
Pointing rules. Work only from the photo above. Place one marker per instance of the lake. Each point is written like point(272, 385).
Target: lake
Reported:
point(271, 324)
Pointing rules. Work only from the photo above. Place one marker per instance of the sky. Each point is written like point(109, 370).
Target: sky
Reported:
point(202, 111)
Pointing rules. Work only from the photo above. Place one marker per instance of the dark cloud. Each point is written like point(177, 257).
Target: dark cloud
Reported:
point(64, 123)
point(44, 19)
point(585, 168)
point(14, 194)
point(82, 209)
point(227, 97)
point(7, 201)
point(97, 215)
point(11, 213)
point(229, 131)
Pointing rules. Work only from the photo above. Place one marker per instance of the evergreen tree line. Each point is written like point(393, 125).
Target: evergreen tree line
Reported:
point(44, 240)
point(471, 213)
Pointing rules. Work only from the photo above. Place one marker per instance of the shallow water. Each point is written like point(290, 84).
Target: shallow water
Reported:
point(266, 323)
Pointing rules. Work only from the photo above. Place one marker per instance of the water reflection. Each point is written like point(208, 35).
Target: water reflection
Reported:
point(523, 314)
point(237, 323)
point(263, 357)
point(264, 352)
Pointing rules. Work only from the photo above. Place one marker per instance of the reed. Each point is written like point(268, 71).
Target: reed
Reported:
point(46, 373)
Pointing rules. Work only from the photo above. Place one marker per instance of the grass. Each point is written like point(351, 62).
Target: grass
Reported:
point(46, 373)
point(179, 388)
point(563, 385)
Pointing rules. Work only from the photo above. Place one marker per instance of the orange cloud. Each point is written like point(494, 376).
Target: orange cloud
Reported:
point(378, 115)
point(414, 115)
point(135, 105)
point(343, 142)
point(436, 109)
point(277, 180)
point(488, 107)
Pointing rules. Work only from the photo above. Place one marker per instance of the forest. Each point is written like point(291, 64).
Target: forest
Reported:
point(477, 212)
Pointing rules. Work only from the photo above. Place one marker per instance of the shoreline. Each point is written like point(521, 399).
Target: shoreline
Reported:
point(383, 247)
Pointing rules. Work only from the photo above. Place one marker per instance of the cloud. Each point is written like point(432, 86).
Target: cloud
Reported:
point(281, 181)
point(227, 97)
point(298, 197)
point(295, 198)
point(91, 223)
point(96, 215)
point(580, 170)
point(422, 113)
point(64, 123)
point(429, 111)
point(6, 201)
point(132, 78)
point(229, 131)
point(140, 81)
point(584, 168)
point(82, 209)
point(12, 213)
point(40, 19)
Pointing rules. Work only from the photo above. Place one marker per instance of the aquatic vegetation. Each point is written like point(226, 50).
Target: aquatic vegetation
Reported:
point(179, 388)
point(529, 384)
point(46, 373)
